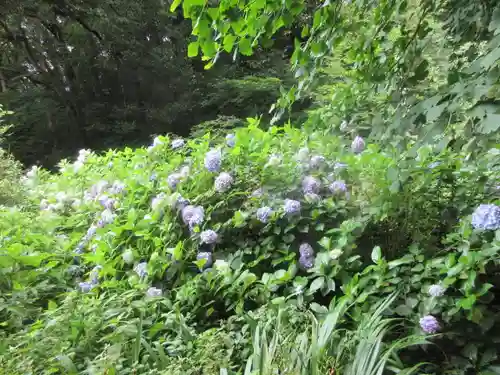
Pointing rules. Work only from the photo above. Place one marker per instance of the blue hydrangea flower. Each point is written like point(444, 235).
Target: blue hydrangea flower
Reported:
point(94, 274)
point(208, 236)
point(177, 143)
point(193, 215)
point(306, 262)
point(86, 287)
point(429, 324)
point(311, 185)
point(118, 187)
point(207, 256)
point(181, 202)
point(141, 269)
point(173, 180)
point(358, 145)
point(264, 213)
point(230, 140)
point(338, 187)
point(107, 202)
point(306, 250)
point(223, 182)
point(154, 292)
point(436, 290)
point(486, 217)
point(291, 207)
point(213, 160)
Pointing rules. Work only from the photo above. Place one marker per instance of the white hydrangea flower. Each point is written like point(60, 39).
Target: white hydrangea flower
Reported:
point(223, 182)
point(317, 161)
point(230, 140)
point(141, 269)
point(436, 290)
point(274, 160)
point(154, 292)
point(486, 217)
point(128, 256)
point(358, 145)
point(177, 143)
point(303, 155)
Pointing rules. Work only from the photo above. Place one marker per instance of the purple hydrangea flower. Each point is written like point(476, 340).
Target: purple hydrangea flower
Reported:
point(230, 140)
point(107, 202)
point(181, 202)
point(213, 160)
point(118, 187)
point(207, 256)
point(86, 287)
point(154, 292)
point(311, 185)
point(107, 217)
point(264, 213)
point(358, 145)
point(338, 187)
point(192, 215)
point(486, 217)
point(306, 250)
point(429, 324)
point(208, 236)
point(317, 161)
point(177, 143)
point(223, 182)
point(141, 269)
point(94, 274)
point(184, 172)
point(436, 290)
point(291, 207)
point(306, 262)
point(173, 180)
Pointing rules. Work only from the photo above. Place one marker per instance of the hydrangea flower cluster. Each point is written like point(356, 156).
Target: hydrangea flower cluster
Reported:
point(223, 182)
point(118, 187)
point(358, 145)
point(338, 187)
point(128, 256)
point(486, 217)
point(107, 202)
point(141, 269)
point(80, 160)
point(107, 217)
point(153, 292)
point(436, 290)
point(157, 201)
point(291, 207)
point(317, 161)
point(230, 140)
point(87, 286)
point(303, 155)
point(213, 160)
point(208, 236)
point(208, 258)
point(264, 213)
point(306, 258)
point(173, 180)
point(429, 324)
point(177, 143)
point(311, 185)
point(193, 215)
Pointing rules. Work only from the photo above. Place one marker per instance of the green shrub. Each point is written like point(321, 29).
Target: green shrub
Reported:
point(402, 224)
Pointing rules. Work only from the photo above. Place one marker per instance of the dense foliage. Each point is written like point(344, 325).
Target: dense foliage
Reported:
point(362, 237)
point(103, 74)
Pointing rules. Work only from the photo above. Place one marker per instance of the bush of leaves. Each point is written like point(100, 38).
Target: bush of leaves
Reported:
point(149, 258)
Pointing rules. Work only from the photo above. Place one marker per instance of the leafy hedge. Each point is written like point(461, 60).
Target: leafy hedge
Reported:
point(169, 250)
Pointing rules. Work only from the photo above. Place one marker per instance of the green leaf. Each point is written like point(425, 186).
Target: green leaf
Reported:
point(228, 42)
point(174, 5)
point(376, 254)
point(318, 308)
point(316, 285)
point(403, 310)
point(245, 47)
point(193, 48)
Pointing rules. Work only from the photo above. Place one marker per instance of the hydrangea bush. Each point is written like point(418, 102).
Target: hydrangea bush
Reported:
point(274, 217)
